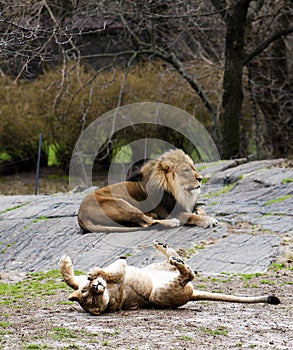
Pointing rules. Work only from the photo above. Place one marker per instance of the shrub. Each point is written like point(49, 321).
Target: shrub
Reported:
point(65, 100)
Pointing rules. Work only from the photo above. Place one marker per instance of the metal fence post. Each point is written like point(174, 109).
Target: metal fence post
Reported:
point(38, 164)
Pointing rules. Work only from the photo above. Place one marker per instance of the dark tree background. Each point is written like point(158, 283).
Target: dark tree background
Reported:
point(249, 42)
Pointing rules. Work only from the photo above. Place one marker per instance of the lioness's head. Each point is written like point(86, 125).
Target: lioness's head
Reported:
point(175, 173)
point(92, 296)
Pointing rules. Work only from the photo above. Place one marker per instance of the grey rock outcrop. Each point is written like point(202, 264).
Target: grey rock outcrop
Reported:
point(253, 202)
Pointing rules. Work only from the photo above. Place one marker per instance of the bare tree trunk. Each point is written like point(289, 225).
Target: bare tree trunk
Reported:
point(273, 92)
point(232, 84)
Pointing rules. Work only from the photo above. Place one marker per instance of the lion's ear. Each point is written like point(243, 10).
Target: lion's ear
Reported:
point(166, 165)
point(74, 296)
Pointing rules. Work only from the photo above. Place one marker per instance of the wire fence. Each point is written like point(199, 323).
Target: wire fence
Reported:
point(9, 164)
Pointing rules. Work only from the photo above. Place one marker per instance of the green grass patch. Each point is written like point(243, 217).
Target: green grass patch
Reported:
point(7, 246)
point(278, 200)
point(214, 332)
point(223, 190)
point(14, 208)
point(65, 302)
point(11, 292)
point(36, 347)
point(203, 167)
point(277, 267)
point(226, 280)
point(204, 180)
point(61, 333)
point(214, 279)
point(4, 332)
point(266, 282)
point(213, 203)
point(249, 276)
point(200, 246)
point(79, 273)
point(287, 180)
point(184, 338)
point(106, 342)
point(217, 291)
point(5, 324)
point(40, 218)
point(41, 283)
point(35, 284)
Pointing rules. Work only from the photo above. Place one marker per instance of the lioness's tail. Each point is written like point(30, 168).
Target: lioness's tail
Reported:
point(201, 295)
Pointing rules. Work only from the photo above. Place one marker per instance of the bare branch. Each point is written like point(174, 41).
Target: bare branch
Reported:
point(175, 62)
point(262, 46)
point(221, 7)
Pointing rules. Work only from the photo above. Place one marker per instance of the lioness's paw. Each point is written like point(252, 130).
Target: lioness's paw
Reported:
point(99, 286)
point(157, 244)
point(176, 261)
point(211, 222)
point(94, 273)
point(65, 260)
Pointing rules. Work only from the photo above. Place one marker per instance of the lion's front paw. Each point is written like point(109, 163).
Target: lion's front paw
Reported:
point(172, 222)
point(176, 261)
point(211, 222)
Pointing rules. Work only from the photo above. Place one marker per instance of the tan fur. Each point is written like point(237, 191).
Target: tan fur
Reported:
point(163, 285)
point(165, 194)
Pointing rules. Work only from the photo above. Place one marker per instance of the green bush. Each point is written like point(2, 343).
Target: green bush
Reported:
point(19, 124)
point(65, 100)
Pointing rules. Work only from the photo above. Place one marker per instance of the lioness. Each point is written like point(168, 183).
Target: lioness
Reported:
point(163, 285)
point(165, 192)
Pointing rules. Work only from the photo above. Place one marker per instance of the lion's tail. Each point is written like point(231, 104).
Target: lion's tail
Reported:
point(201, 295)
point(90, 227)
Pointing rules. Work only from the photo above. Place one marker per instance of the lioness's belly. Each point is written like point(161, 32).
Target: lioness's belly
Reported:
point(138, 287)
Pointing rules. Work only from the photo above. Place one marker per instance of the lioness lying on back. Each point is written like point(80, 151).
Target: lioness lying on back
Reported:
point(165, 192)
point(163, 285)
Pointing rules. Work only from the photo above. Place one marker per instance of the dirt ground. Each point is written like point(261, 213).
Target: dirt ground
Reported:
point(46, 320)
point(35, 313)
point(51, 180)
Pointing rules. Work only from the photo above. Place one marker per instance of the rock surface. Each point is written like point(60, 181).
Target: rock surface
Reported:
point(252, 201)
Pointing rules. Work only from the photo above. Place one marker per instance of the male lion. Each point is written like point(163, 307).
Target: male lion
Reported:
point(165, 192)
point(163, 285)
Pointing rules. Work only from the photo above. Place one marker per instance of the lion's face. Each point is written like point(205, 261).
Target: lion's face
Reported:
point(174, 172)
point(190, 180)
point(189, 183)
point(92, 296)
